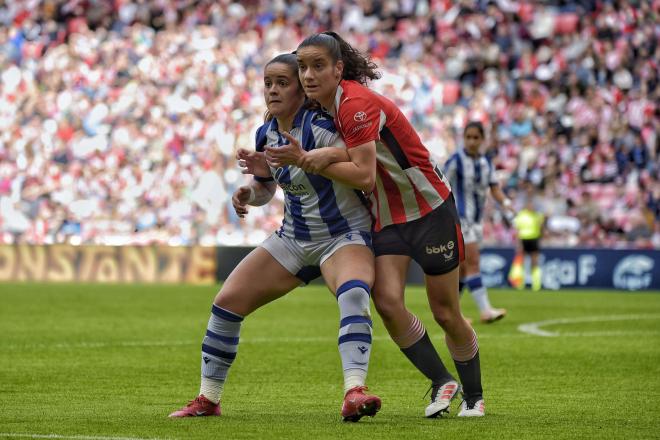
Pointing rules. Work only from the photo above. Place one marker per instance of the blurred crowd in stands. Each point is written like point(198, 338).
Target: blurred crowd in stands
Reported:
point(119, 119)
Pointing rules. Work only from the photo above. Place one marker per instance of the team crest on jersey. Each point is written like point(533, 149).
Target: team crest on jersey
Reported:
point(360, 116)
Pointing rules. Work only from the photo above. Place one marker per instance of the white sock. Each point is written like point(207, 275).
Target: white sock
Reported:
point(354, 378)
point(480, 296)
point(211, 389)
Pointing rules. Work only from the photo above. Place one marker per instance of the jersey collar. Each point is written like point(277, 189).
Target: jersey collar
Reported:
point(297, 120)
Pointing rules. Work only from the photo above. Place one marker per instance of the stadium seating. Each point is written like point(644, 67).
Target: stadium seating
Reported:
point(119, 120)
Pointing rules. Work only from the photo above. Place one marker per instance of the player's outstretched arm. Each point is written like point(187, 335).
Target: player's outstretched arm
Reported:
point(254, 194)
point(502, 199)
point(360, 172)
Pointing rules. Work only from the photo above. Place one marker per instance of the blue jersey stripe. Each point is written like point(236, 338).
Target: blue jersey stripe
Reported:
point(325, 123)
point(308, 141)
point(475, 195)
point(300, 228)
point(328, 206)
point(261, 137)
point(460, 192)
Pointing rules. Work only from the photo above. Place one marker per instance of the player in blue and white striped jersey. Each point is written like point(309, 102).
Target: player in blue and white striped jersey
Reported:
point(316, 208)
point(326, 230)
point(471, 177)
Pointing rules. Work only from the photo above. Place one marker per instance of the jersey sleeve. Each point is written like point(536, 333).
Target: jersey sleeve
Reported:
point(259, 146)
point(359, 121)
point(260, 138)
point(325, 133)
point(449, 170)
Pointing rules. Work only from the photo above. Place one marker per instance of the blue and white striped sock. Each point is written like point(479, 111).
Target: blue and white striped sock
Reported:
point(219, 351)
point(354, 332)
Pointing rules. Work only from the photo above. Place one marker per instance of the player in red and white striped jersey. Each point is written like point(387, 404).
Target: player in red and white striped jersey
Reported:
point(411, 219)
point(408, 185)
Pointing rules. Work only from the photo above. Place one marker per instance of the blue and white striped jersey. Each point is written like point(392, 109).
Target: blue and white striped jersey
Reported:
point(315, 208)
point(470, 179)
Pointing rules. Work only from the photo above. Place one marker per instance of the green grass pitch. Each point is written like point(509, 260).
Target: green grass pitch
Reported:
point(109, 362)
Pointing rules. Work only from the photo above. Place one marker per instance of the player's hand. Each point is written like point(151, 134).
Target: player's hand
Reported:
point(240, 200)
point(508, 215)
point(315, 161)
point(252, 162)
point(286, 154)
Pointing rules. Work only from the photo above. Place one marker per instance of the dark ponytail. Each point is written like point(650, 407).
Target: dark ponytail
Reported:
point(357, 67)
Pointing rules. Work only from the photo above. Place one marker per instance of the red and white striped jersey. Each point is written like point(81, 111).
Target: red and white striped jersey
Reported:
point(409, 184)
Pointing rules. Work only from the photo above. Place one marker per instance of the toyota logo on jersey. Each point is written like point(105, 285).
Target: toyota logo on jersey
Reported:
point(360, 116)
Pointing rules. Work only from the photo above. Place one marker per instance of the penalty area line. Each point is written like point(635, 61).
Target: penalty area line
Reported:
point(535, 328)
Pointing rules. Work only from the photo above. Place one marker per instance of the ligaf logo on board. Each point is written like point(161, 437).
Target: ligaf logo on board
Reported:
point(633, 273)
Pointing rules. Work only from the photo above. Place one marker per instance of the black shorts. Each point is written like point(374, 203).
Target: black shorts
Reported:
point(530, 246)
point(434, 241)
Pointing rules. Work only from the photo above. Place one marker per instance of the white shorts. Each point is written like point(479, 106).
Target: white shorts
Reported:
point(472, 232)
point(304, 258)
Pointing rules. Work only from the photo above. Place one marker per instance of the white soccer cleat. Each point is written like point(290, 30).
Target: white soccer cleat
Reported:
point(441, 397)
point(477, 409)
point(492, 315)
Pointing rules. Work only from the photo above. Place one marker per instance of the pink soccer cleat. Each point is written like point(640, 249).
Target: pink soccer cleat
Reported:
point(492, 315)
point(357, 404)
point(199, 407)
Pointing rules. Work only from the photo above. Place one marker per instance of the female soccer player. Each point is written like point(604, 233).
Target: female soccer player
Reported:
point(471, 177)
point(326, 224)
point(412, 220)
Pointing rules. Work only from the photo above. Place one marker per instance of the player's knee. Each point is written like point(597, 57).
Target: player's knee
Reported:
point(229, 300)
point(446, 318)
point(354, 295)
point(389, 308)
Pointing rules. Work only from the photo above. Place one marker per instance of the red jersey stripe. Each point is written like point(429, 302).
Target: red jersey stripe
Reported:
point(397, 211)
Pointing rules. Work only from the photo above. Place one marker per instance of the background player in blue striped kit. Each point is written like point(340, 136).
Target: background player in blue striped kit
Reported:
point(325, 230)
point(471, 176)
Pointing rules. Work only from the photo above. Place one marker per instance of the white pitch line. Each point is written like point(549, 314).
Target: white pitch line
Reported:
point(534, 328)
point(528, 329)
point(257, 340)
point(74, 437)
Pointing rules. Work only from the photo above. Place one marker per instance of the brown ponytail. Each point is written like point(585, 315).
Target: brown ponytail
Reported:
point(357, 67)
